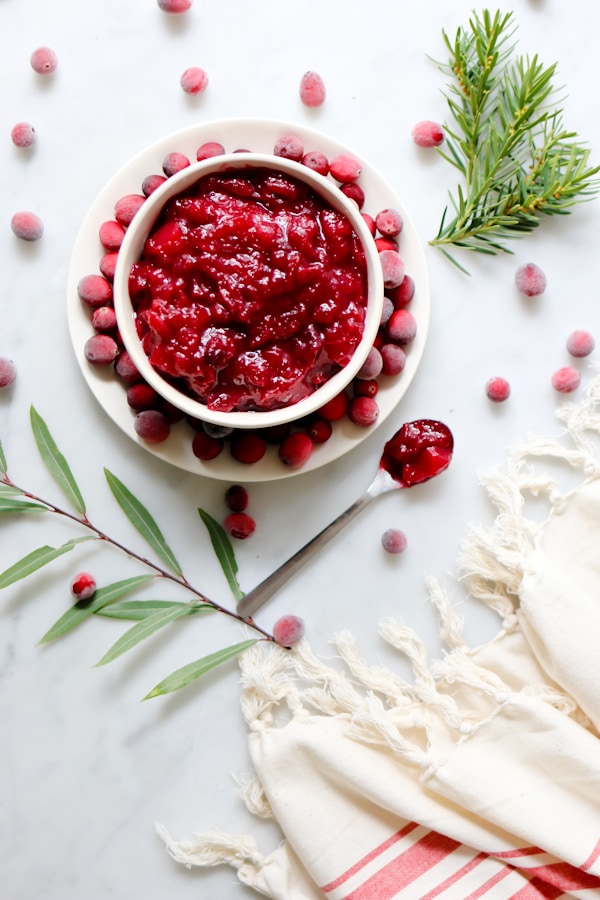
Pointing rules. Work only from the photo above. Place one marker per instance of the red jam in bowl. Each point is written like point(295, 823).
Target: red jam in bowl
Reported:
point(251, 290)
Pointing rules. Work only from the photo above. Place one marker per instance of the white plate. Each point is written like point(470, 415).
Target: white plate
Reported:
point(258, 135)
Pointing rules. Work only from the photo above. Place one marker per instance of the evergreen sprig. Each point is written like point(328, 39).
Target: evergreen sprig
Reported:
point(150, 615)
point(507, 140)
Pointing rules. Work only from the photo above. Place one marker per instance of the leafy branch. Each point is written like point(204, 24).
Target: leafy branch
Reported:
point(517, 161)
point(149, 615)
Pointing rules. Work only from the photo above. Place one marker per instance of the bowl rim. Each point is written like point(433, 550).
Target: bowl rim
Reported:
point(132, 244)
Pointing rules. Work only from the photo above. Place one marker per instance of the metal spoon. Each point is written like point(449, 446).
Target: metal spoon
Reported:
point(417, 452)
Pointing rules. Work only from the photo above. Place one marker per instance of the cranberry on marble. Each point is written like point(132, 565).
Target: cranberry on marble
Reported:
point(23, 135)
point(288, 630)
point(497, 389)
point(44, 60)
point(194, 80)
point(530, 280)
point(428, 134)
point(580, 343)
point(239, 525)
point(312, 89)
point(8, 372)
point(83, 586)
point(27, 226)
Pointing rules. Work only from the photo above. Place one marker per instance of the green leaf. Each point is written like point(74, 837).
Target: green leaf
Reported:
point(55, 461)
point(141, 519)
point(184, 676)
point(135, 610)
point(3, 466)
point(141, 630)
point(17, 503)
point(83, 610)
point(36, 560)
point(224, 551)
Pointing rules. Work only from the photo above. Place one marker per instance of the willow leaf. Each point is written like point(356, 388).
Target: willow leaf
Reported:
point(76, 614)
point(136, 610)
point(36, 560)
point(224, 551)
point(3, 465)
point(142, 630)
point(141, 519)
point(18, 504)
point(55, 461)
point(184, 676)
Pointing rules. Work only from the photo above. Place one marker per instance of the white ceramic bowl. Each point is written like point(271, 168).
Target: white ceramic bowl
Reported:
point(131, 250)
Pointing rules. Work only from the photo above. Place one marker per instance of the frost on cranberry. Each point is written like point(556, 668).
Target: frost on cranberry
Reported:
point(345, 168)
point(566, 379)
point(296, 449)
point(393, 541)
point(580, 343)
point(316, 161)
point(111, 235)
point(530, 280)
point(392, 266)
point(194, 80)
point(172, 163)
point(393, 359)
point(104, 319)
point(403, 294)
point(363, 411)
point(175, 7)
point(312, 89)
point(151, 182)
point(497, 389)
point(27, 226)
point(389, 222)
point(23, 135)
point(8, 372)
point(152, 426)
point(402, 327)
point(289, 147)
point(100, 350)
point(288, 630)
point(95, 291)
point(83, 586)
point(126, 207)
point(239, 525)
point(44, 61)
point(428, 134)
point(209, 149)
point(372, 365)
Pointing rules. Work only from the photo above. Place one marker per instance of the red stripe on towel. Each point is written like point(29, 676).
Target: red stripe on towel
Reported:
point(369, 857)
point(592, 857)
point(452, 879)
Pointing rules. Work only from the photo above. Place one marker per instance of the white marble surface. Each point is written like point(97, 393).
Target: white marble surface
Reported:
point(86, 767)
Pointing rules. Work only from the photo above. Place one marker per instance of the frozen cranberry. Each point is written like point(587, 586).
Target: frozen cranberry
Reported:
point(83, 586)
point(44, 60)
point(95, 291)
point(320, 430)
point(206, 447)
point(152, 426)
point(336, 408)
point(8, 372)
point(151, 182)
point(288, 630)
point(372, 365)
point(386, 243)
point(239, 525)
point(369, 222)
point(566, 379)
point(363, 411)
point(175, 7)
point(104, 319)
point(126, 368)
point(580, 343)
point(126, 208)
point(289, 147)
point(108, 265)
point(312, 89)
point(393, 359)
point(248, 447)
point(209, 149)
point(316, 161)
point(194, 80)
point(387, 308)
point(403, 294)
point(27, 226)
point(402, 327)
point(392, 266)
point(141, 396)
point(530, 280)
point(174, 162)
point(23, 135)
point(100, 349)
point(111, 235)
point(236, 498)
point(497, 389)
point(393, 541)
point(354, 192)
point(428, 134)
point(345, 168)
point(296, 449)
point(363, 387)
point(389, 222)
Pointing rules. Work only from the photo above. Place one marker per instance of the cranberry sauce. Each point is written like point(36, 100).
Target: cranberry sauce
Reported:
point(251, 290)
point(418, 451)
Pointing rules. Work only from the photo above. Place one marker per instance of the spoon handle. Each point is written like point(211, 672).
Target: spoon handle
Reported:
point(259, 595)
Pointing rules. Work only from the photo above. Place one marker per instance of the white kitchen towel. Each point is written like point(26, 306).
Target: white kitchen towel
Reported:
point(480, 777)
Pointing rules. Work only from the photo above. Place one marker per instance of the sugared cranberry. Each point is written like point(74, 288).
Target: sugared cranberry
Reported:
point(428, 134)
point(27, 226)
point(151, 183)
point(387, 309)
point(372, 365)
point(108, 265)
point(100, 350)
point(288, 630)
point(389, 222)
point(126, 207)
point(392, 266)
point(8, 372)
point(316, 161)
point(345, 168)
point(393, 541)
point(194, 80)
point(403, 294)
point(497, 389)
point(239, 525)
point(206, 447)
point(152, 426)
point(23, 135)
point(248, 447)
point(95, 291)
point(296, 449)
point(111, 235)
point(530, 280)
point(393, 359)
point(83, 586)
point(174, 162)
point(209, 149)
point(236, 498)
point(336, 408)
point(363, 411)
point(402, 326)
point(175, 7)
point(580, 343)
point(566, 379)
point(320, 430)
point(312, 89)
point(289, 147)
point(104, 319)
point(44, 61)
point(126, 369)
